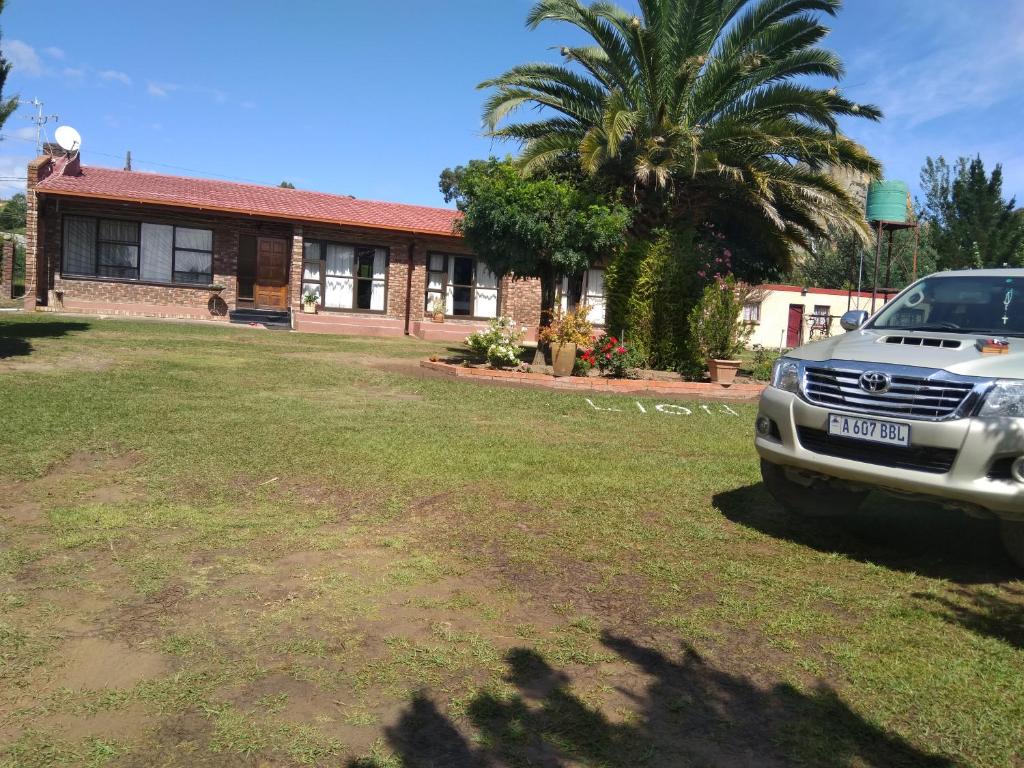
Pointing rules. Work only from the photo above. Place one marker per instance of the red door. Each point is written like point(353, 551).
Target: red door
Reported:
point(795, 326)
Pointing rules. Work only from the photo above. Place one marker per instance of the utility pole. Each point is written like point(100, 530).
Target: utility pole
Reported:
point(40, 120)
point(128, 161)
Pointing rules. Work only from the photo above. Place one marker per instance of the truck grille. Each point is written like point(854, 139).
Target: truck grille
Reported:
point(937, 461)
point(909, 396)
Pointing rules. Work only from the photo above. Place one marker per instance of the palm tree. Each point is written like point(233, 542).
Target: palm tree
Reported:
point(694, 109)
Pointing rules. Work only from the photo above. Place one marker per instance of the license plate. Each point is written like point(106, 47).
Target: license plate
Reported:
point(869, 430)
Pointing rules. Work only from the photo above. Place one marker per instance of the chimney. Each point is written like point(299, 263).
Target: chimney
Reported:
point(63, 163)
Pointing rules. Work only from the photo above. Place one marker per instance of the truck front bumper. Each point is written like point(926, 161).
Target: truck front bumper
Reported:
point(978, 442)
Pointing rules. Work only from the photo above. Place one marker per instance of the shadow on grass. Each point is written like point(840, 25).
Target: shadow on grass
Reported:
point(689, 714)
point(985, 613)
point(15, 336)
point(906, 536)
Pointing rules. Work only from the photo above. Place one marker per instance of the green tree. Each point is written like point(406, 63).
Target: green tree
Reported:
point(286, 185)
point(12, 215)
point(968, 221)
point(695, 110)
point(532, 227)
point(7, 106)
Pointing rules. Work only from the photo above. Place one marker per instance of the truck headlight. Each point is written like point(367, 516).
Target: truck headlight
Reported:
point(1006, 398)
point(786, 374)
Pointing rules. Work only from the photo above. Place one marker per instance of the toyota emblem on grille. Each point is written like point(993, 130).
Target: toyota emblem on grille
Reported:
point(874, 382)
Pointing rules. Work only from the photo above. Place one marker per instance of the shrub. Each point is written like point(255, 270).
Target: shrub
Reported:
point(500, 344)
point(651, 288)
point(715, 328)
point(568, 328)
point(612, 357)
point(764, 359)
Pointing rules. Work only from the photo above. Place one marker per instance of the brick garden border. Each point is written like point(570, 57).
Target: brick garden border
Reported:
point(686, 389)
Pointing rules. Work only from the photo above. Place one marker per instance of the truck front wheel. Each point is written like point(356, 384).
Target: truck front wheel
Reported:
point(815, 500)
point(1012, 532)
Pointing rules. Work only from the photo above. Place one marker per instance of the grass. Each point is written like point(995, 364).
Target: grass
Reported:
point(228, 545)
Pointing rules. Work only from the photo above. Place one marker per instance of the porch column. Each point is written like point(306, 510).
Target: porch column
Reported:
point(7, 268)
point(295, 273)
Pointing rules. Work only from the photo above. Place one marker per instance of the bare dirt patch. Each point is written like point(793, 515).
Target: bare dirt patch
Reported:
point(94, 663)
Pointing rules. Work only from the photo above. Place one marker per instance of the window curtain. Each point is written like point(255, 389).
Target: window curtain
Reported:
point(157, 249)
point(380, 259)
point(124, 231)
point(195, 239)
point(79, 246)
point(595, 298)
point(435, 279)
point(339, 289)
point(485, 300)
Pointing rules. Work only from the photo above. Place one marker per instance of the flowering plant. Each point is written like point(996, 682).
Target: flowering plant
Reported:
point(568, 327)
point(611, 356)
point(310, 297)
point(501, 343)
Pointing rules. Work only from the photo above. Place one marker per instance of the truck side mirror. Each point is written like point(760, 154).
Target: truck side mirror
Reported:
point(853, 319)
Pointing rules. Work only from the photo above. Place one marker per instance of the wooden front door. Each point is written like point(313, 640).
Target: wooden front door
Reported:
point(795, 326)
point(271, 289)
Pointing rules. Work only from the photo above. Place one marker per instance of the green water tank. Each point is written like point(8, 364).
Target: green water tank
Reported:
point(887, 201)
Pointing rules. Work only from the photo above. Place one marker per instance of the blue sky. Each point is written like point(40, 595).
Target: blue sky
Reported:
point(375, 99)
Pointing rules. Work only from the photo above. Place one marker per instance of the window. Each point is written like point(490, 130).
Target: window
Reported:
point(193, 255)
point(117, 249)
point(586, 288)
point(345, 276)
point(752, 313)
point(822, 310)
point(468, 287)
point(130, 250)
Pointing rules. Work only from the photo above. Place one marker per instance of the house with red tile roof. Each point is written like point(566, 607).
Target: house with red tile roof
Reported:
point(119, 242)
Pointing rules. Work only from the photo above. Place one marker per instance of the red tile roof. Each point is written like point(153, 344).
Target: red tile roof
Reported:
point(250, 199)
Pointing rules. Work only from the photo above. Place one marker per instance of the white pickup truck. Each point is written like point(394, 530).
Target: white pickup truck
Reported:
point(924, 399)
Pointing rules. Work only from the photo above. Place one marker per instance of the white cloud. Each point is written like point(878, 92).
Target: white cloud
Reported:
point(161, 90)
point(965, 62)
point(115, 75)
point(25, 132)
point(74, 72)
point(248, 105)
point(23, 57)
point(54, 52)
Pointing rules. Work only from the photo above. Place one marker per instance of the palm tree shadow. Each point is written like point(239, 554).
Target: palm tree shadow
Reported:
point(688, 713)
point(998, 614)
point(15, 337)
point(913, 537)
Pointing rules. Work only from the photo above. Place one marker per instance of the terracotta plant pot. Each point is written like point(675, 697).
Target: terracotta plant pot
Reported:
point(438, 317)
point(309, 308)
point(723, 371)
point(563, 359)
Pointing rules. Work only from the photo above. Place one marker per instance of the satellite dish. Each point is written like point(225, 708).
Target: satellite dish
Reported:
point(68, 138)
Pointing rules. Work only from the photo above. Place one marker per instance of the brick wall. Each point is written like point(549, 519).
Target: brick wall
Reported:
point(7, 268)
point(155, 299)
point(405, 291)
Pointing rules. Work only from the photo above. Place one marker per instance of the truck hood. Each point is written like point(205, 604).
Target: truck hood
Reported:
point(871, 346)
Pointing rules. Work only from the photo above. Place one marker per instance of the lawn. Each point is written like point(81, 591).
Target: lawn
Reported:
point(244, 547)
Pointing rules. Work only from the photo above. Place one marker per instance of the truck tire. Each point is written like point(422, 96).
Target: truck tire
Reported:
point(817, 500)
point(1012, 533)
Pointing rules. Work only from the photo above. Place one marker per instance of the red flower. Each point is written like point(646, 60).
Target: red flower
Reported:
point(621, 350)
point(613, 340)
point(607, 357)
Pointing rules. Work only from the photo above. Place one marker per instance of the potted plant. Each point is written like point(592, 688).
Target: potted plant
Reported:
point(309, 303)
point(565, 334)
point(716, 329)
point(437, 309)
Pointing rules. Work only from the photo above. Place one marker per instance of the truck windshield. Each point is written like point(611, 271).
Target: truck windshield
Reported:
point(982, 304)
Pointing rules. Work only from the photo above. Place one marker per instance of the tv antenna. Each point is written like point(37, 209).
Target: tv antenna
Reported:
point(40, 120)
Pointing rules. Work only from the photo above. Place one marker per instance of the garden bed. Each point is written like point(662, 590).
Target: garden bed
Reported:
point(658, 382)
